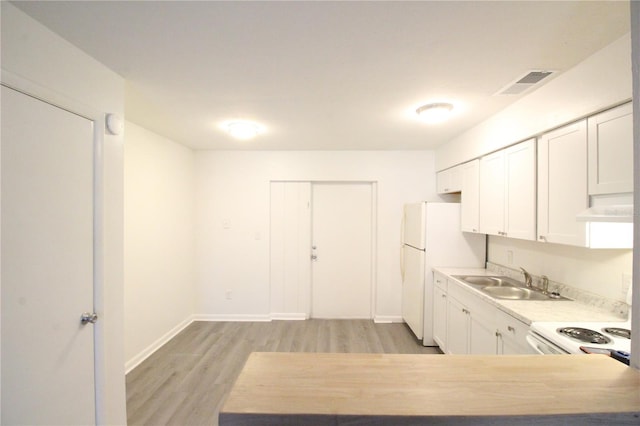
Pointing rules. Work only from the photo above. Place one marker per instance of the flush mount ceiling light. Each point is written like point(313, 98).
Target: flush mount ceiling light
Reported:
point(243, 130)
point(435, 112)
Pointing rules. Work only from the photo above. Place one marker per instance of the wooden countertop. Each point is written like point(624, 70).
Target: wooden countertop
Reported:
point(310, 388)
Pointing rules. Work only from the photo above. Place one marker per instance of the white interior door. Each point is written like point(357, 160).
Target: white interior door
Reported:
point(47, 264)
point(290, 263)
point(342, 237)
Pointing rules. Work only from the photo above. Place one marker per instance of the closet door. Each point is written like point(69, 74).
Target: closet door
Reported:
point(47, 264)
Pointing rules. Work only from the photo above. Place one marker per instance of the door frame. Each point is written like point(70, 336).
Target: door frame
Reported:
point(374, 240)
point(58, 100)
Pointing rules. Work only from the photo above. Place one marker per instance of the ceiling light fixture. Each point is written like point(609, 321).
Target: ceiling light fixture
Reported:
point(243, 130)
point(435, 112)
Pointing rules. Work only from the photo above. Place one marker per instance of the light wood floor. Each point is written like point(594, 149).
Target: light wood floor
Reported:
point(186, 381)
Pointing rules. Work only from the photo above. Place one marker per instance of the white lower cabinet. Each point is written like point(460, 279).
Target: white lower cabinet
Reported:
point(464, 323)
point(470, 325)
point(440, 310)
point(482, 335)
point(457, 328)
point(511, 335)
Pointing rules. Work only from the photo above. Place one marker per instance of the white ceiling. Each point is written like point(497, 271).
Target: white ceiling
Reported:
point(326, 75)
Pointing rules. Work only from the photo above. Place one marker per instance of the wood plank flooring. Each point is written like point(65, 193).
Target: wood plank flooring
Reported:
point(186, 381)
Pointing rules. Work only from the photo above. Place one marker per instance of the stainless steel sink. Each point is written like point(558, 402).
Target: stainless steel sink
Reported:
point(500, 287)
point(514, 293)
point(484, 281)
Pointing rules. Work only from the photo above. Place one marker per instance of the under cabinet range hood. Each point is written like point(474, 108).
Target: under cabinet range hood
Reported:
point(615, 213)
point(609, 226)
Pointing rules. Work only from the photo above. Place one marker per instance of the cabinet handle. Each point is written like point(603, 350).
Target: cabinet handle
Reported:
point(444, 296)
point(542, 238)
point(498, 334)
point(446, 190)
point(465, 311)
point(511, 329)
point(474, 230)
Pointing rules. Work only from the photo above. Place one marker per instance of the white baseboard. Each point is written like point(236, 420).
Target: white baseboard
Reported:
point(232, 318)
point(289, 316)
point(137, 360)
point(386, 319)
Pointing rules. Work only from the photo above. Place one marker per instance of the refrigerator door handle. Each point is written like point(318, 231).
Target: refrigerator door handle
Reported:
point(402, 224)
point(402, 262)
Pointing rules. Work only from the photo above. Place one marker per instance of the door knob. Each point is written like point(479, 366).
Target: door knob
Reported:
point(88, 318)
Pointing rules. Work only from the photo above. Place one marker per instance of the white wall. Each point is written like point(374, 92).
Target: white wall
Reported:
point(46, 63)
point(600, 81)
point(159, 240)
point(233, 189)
point(598, 271)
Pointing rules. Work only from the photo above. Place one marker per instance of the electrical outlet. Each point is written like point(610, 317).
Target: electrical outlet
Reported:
point(228, 294)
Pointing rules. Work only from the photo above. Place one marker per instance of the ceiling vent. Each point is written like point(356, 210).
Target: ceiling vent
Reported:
point(525, 82)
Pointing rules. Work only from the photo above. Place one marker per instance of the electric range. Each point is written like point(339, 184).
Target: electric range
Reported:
point(611, 338)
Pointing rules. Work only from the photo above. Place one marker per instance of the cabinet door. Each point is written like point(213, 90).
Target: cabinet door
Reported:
point(492, 194)
point(611, 151)
point(442, 181)
point(562, 184)
point(457, 327)
point(450, 180)
point(440, 317)
point(482, 336)
point(520, 191)
point(512, 335)
point(470, 197)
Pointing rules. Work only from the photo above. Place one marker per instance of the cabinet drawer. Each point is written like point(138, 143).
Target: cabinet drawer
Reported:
point(440, 281)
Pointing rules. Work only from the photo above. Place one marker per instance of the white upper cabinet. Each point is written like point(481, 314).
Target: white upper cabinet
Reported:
point(449, 180)
point(562, 184)
point(508, 192)
point(470, 197)
point(492, 194)
point(611, 151)
point(520, 190)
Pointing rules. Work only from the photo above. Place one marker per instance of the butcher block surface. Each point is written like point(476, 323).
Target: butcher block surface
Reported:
point(318, 388)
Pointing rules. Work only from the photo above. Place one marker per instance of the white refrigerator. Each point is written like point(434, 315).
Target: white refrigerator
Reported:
point(431, 237)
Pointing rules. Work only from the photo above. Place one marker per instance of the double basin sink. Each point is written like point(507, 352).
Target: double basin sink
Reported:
point(507, 288)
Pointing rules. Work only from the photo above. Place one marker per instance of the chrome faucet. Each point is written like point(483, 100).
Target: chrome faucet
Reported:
point(545, 284)
point(527, 278)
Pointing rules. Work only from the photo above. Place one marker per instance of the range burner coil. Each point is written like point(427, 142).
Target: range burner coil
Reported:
point(625, 333)
point(585, 335)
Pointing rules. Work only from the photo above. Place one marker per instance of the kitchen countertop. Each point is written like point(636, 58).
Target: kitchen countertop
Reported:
point(319, 389)
point(529, 311)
